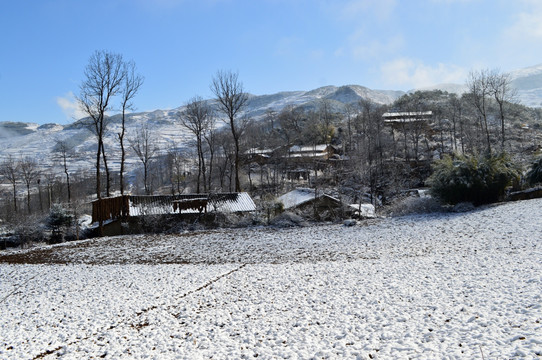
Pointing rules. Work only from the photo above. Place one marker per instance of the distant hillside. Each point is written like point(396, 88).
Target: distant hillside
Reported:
point(39, 142)
point(25, 139)
point(527, 82)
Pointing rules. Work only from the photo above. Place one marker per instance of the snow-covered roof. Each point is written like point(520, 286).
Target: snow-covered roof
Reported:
point(243, 203)
point(301, 196)
point(113, 208)
point(407, 114)
point(257, 151)
point(297, 148)
point(406, 117)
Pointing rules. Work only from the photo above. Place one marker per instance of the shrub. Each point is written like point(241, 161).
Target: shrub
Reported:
point(27, 230)
point(477, 179)
point(58, 221)
point(413, 205)
point(534, 175)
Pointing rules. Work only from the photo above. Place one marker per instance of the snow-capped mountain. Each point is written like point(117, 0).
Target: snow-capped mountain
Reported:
point(40, 142)
point(528, 84)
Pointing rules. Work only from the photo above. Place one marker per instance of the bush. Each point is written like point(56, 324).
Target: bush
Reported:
point(413, 205)
point(534, 175)
point(475, 179)
point(287, 219)
point(28, 230)
point(59, 220)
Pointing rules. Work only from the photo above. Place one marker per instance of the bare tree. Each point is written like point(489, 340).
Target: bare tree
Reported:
point(9, 169)
point(454, 110)
point(104, 76)
point(50, 178)
point(30, 173)
point(503, 94)
point(478, 83)
point(144, 145)
point(291, 121)
point(349, 112)
point(325, 118)
point(372, 147)
point(197, 117)
point(177, 164)
point(231, 100)
point(65, 151)
point(210, 140)
point(130, 87)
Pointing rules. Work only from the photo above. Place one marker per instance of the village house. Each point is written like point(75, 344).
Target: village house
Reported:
point(123, 207)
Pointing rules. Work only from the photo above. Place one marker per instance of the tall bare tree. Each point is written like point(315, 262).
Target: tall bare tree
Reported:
point(65, 151)
point(144, 145)
point(9, 169)
point(130, 87)
point(29, 172)
point(104, 76)
point(478, 83)
point(454, 110)
point(325, 121)
point(371, 150)
point(503, 93)
point(177, 164)
point(291, 121)
point(197, 117)
point(210, 140)
point(231, 99)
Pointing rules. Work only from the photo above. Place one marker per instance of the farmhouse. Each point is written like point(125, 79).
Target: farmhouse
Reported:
point(313, 201)
point(123, 207)
point(311, 152)
point(397, 118)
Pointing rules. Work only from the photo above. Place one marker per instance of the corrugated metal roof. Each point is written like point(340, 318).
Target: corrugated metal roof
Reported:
point(242, 203)
point(221, 202)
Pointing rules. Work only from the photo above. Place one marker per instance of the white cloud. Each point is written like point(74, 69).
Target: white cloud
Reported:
point(522, 36)
point(365, 18)
point(412, 74)
point(528, 23)
point(70, 107)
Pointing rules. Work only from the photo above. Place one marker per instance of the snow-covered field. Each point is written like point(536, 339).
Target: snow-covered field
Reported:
point(446, 286)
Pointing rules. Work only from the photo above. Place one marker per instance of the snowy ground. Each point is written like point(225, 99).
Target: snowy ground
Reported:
point(448, 286)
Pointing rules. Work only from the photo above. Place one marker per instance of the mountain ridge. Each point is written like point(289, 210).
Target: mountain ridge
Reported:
point(38, 141)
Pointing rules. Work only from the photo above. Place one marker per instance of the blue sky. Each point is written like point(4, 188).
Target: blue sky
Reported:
point(275, 45)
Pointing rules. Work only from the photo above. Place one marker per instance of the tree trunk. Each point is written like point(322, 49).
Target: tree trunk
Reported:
point(15, 198)
point(98, 158)
point(122, 158)
point(107, 175)
point(28, 198)
point(145, 171)
point(67, 181)
point(237, 181)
